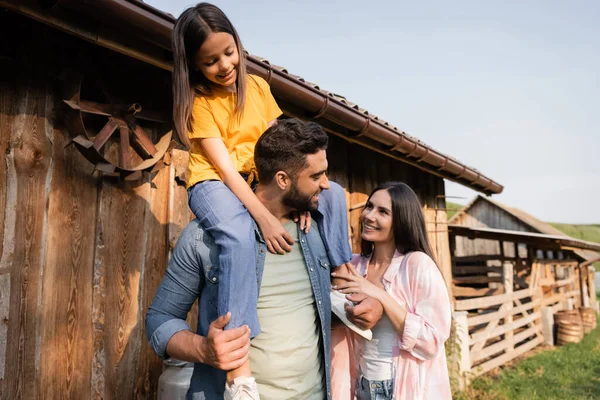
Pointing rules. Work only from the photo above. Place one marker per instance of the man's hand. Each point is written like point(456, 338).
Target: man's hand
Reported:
point(225, 350)
point(366, 311)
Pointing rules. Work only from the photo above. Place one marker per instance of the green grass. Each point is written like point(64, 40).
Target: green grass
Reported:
point(591, 233)
point(567, 372)
point(452, 208)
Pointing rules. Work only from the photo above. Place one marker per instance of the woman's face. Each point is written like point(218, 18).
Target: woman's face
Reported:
point(376, 218)
point(218, 59)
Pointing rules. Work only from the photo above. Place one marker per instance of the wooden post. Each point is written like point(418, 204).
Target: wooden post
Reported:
point(463, 358)
point(592, 287)
point(508, 276)
point(548, 326)
point(584, 286)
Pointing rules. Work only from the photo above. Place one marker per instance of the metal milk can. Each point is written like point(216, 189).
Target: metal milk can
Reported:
point(174, 381)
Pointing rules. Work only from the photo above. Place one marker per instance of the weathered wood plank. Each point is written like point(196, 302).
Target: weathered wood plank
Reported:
point(483, 336)
point(121, 225)
point(476, 279)
point(464, 270)
point(502, 345)
point(6, 119)
point(361, 181)
point(149, 365)
point(486, 333)
point(179, 213)
point(66, 359)
point(480, 258)
point(8, 204)
point(460, 291)
point(546, 301)
point(482, 319)
point(437, 232)
point(491, 300)
point(503, 359)
point(4, 314)
point(31, 148)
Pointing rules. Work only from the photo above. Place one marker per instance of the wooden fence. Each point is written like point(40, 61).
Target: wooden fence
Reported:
point(495, 323)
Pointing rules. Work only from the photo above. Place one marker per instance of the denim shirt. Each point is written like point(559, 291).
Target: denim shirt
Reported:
point(193, 273)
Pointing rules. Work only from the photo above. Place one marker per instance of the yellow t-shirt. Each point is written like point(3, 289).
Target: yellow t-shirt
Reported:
point(211, 118)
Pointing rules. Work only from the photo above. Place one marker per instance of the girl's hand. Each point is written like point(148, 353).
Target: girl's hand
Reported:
point(278, 240)
point(354, 283)
point(305, 220)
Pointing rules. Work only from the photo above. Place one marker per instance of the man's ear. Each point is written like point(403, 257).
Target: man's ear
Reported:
point(283, 180)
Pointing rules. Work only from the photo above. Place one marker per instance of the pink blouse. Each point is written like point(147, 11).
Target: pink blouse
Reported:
point(419, 357)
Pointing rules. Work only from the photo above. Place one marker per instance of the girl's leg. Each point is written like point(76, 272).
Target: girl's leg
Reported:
point(222, 215)
point(332, 204)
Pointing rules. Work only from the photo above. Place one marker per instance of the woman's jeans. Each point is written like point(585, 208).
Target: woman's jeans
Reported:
point(222, 214)
point(374, 390)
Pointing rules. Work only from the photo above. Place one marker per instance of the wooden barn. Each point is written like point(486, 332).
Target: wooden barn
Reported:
point(509, 269)
point(92, 194)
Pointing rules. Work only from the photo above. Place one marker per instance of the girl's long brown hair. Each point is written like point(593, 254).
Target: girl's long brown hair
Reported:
point(191, 30)
point(408, 222)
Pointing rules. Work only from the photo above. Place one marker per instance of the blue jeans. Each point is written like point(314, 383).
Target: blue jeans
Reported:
point(374, 390)
point(224, 216)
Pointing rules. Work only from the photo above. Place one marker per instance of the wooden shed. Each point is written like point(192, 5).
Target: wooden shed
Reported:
point(92, 195)
point(508, 267)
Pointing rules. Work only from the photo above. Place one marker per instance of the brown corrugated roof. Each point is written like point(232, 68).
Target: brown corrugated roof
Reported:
point(335, 112)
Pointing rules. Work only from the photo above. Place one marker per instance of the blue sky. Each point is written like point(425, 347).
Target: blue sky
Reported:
point(511, 88)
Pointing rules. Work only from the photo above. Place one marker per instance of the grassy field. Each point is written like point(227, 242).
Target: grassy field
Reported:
point(591, 233)
point(567, 372)
point(452, 208)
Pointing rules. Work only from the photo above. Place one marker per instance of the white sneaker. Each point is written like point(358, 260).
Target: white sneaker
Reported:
point(242, 388)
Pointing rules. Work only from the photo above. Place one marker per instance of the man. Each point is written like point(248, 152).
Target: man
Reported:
point(290, 358)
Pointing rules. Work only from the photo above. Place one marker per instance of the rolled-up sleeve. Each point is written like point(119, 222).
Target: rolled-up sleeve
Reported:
point(427, 324)
point(178, 291)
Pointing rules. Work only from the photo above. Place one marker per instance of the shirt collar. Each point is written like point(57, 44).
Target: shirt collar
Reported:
point(392, 270)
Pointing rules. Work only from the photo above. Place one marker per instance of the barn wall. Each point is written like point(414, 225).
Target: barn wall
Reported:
point(80, 256)
point(483, 214)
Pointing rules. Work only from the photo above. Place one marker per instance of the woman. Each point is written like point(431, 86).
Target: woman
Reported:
point(406, 357)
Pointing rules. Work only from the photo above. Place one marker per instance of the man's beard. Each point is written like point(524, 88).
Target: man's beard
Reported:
point(296, 200)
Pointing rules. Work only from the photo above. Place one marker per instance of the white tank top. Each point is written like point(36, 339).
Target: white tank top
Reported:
point(376, 354)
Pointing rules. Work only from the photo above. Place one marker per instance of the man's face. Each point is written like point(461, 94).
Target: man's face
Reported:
point(308, 183)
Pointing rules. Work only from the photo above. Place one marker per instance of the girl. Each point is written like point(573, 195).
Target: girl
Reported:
point(406, 357)
point(220, 111)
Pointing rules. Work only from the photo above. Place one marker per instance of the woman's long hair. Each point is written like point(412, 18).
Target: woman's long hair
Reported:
point(191, 30)
point(408, 223)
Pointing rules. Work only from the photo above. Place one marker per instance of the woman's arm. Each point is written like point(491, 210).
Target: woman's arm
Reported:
point(423, 331)
point(278, 240)
point(427, 325)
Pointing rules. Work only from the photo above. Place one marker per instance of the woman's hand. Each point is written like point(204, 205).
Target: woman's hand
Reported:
point(305, 220)
point(278, 240)
point(354, 283)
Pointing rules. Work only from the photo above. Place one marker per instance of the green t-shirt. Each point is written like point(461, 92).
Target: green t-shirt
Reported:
point(286, 356)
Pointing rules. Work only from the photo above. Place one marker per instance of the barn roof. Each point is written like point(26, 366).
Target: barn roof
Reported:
point(535, 225)
point(141, 31)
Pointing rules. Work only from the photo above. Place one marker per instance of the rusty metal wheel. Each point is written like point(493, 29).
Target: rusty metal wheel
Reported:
point(119, 136)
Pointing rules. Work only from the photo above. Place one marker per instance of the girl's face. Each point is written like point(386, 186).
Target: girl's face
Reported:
point(218, 59)
point(376, 218)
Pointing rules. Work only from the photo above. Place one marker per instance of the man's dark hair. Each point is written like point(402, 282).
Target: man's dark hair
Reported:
point(284, 147)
